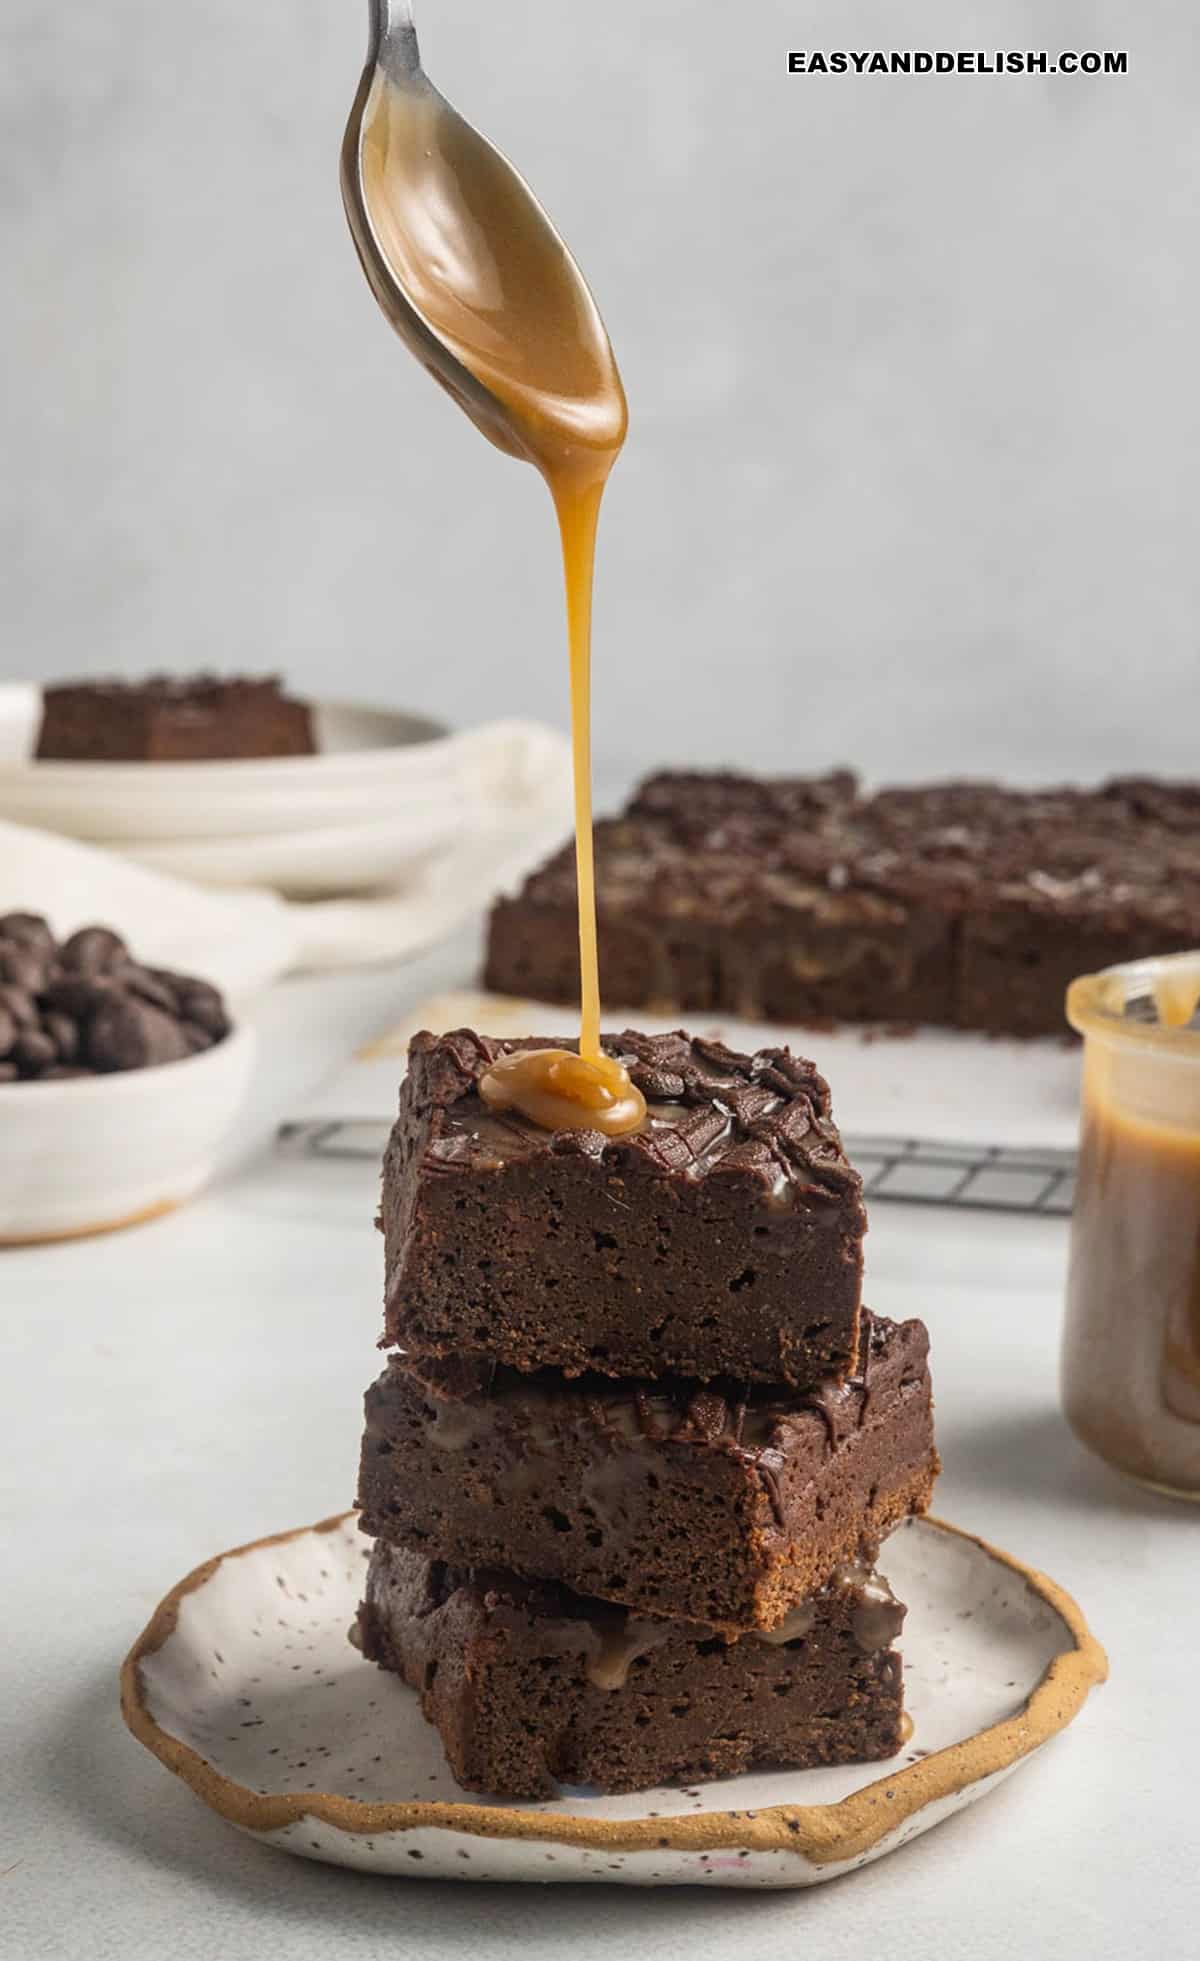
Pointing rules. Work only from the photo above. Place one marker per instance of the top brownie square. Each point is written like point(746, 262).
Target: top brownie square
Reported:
point(723, 1238)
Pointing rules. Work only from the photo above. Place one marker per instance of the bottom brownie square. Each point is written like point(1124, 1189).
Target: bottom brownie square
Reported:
point(531, 1686)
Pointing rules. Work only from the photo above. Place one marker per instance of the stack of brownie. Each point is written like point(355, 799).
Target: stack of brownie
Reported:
point(629, 1473)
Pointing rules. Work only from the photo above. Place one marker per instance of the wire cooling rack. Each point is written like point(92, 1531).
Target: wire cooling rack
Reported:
point(910, 1170)
point(989, 1178)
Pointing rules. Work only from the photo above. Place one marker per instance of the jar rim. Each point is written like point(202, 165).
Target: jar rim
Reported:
point(1096, 1003)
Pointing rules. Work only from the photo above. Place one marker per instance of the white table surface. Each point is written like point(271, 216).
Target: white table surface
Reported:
point(173, 1390)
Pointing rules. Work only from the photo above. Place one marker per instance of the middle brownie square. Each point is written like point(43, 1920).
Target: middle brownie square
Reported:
point(720, 1504)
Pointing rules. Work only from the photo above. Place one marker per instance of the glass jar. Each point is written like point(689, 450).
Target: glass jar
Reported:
point(1131, 1345)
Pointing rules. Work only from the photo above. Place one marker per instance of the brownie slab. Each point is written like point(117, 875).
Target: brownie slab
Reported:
point(723, 1238)
point(727, 921)
point(168, 719)
point(725, 1504)
point(808, 899)
point(531, 1687)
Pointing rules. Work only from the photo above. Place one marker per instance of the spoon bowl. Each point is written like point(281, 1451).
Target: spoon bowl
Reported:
point(468, 268)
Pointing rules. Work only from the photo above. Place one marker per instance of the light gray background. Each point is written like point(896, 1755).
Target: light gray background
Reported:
point(912, 472)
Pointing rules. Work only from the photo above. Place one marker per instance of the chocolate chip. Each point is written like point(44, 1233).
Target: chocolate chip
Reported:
point(64, 1033)
point(90, 1007)
point(79, 998)
point(32, 1051)
point(202, 1004)
point(662, 1084)
point(147, 986)
point(27, 929)
point(171, 982)
point(94, 950)
point(128, 1034)
point(20, 1005)
point(21, 966)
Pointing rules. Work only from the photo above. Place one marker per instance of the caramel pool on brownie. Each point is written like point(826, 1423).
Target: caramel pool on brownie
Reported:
point(723, 1238)
point(720, 1504)
point(530, 1686)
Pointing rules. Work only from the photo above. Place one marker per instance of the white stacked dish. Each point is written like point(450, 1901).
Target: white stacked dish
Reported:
point(385, 792)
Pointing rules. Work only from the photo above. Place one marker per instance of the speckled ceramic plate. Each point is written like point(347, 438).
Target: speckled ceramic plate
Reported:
point(245, 1684)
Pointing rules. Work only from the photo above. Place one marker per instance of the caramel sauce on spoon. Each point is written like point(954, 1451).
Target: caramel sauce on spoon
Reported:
point(470, 271)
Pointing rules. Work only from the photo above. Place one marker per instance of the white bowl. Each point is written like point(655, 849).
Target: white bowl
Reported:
point(92, 1153)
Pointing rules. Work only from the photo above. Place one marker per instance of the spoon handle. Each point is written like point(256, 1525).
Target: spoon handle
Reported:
point(394, 38)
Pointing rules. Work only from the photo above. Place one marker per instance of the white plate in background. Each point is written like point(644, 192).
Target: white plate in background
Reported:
point(344, 858)
point(387, 792)
point(366, 754)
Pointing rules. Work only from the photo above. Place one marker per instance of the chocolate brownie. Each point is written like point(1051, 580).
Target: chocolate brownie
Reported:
point(531, 1687)
point(723, 1238)
point(807, 899)
point(724, 1504)
point(198, 718)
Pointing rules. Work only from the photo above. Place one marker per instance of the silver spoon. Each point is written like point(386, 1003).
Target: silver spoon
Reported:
point(466, 265)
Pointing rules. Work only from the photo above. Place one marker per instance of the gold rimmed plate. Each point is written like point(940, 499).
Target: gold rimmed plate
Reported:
point(244, 1683)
